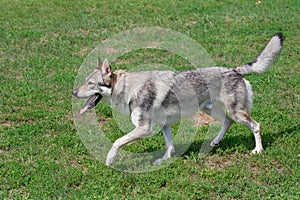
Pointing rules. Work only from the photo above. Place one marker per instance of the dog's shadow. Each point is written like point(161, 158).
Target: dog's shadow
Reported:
point(237, 142)
point(230, 144)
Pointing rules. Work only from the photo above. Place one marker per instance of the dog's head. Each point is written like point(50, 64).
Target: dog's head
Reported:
point(96, 85)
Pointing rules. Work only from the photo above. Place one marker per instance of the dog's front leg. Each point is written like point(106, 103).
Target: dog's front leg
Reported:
point(167, 132)
point(138, 133)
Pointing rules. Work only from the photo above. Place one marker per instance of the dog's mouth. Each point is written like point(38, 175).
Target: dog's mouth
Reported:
point(91, 103)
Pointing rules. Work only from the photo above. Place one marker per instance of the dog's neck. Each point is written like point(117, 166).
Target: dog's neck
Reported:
point(116, 76)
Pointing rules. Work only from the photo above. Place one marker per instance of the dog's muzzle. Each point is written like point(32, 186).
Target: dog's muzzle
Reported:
point(90, 103)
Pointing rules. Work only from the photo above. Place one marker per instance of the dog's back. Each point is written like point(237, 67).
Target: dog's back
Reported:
point(164, 97)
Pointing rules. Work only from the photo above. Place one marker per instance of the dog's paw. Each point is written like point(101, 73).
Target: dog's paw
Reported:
point(111, 156)
point(168, 154)
point(161, 160)
point(109, 161)
point(257, 150)
point(158, 161)
point(215, 143)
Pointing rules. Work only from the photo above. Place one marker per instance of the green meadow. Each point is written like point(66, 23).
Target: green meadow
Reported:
point(44, 43)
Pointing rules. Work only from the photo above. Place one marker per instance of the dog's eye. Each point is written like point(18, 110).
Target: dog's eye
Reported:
point(102, 84)
point(90, 83)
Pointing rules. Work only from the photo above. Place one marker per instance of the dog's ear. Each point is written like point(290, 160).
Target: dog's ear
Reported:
point(100, 63)
point(105, 69)
point(106, 72)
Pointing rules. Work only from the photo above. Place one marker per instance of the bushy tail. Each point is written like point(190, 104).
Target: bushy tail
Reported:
point(265, 58)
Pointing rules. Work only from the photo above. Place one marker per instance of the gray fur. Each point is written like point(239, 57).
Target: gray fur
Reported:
point(165, 97)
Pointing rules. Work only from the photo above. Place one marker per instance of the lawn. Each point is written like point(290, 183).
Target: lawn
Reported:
point(44, 43)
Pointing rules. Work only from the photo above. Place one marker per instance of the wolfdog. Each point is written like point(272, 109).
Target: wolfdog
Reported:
point(165, 97)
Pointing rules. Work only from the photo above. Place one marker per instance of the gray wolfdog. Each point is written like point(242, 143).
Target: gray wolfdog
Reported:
point(165, 97)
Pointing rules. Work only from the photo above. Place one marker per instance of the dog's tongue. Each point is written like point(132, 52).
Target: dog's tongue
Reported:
point(86, 105)
point(82, 110)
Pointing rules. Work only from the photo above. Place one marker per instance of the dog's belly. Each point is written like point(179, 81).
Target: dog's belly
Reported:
point(173, 113)
point(166, 116)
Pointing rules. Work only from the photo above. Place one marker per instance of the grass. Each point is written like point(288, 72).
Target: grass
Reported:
point(42, 45)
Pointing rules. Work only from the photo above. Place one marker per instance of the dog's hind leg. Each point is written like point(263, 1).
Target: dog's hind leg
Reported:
point(244, 118)
point(255, 127)
point(227, 122)
point(167, 133)
point(217, 111)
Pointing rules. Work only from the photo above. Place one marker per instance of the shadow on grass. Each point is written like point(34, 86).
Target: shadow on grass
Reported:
point(241, 142)
point(269, 139)
point(230, 144)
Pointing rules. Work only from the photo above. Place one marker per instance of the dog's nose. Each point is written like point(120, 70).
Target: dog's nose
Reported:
point(74, 92)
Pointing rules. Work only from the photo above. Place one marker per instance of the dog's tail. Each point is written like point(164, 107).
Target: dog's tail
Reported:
point(265, 58)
